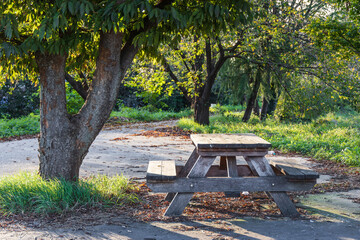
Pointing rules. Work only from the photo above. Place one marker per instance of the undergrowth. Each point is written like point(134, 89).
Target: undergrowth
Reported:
point(145, 115)
point(334, 136)
point(20, 126)
point(29, 193)
point(30, 125)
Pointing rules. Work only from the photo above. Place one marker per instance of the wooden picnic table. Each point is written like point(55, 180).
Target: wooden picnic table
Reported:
point(200, 175)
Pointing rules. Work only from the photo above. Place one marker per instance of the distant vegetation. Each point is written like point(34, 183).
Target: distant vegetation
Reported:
point(30, 125)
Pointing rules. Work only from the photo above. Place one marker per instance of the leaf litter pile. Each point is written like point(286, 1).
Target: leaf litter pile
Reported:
point(166, 132)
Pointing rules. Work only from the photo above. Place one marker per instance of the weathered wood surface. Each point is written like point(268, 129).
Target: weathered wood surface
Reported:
point(232, 171)
point(216, 171)
point(199, 170)
point(293, 170)
point(234, 184)
point(161, 171)
point(226, 141)
point(263, 168)
point(184, 172)
point(232, 152)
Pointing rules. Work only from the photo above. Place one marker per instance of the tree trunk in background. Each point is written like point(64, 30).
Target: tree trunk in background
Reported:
point(252, 98)
point(202, 112)
point(257, 108)
point(264, 109)
point(65, 139)
point(272, 104)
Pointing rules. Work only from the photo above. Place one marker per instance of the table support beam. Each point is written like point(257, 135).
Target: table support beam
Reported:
point(199, 170)
point(232, 172)
point(263, 168)
point(184, 172)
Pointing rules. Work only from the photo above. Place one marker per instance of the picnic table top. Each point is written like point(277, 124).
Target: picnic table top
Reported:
point(229, 141)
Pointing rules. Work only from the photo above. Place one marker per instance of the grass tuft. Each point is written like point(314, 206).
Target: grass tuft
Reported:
point(29, 193)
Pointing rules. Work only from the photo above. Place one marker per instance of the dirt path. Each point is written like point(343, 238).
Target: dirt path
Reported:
point(124, 150)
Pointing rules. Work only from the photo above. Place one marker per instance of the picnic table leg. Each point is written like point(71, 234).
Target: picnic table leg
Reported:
point(199, 170)
point(263, 168)
point(184, 172)
point(223, 163)
point(232, 172)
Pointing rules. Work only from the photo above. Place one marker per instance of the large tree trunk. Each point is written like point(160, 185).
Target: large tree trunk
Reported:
point(65, 139)
point(57, 134)
point(201, 112)
point(252, 98)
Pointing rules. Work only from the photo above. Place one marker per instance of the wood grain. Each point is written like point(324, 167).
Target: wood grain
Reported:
point(238, 184)
point(228, 141)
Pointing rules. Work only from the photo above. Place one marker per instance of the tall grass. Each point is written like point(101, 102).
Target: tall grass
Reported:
point(29, 193)
point(334, 136)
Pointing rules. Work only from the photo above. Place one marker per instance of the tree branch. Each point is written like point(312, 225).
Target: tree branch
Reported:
point(80, 88)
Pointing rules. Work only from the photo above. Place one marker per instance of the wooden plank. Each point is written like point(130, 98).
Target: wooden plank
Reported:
point(161, 171)
point(234, 184)
point(293, 170)
point(184, 172)
point(208, 141)
point(154, 171)
point(232, 172)
point(263, 168)
point(180, 200)
point(215, 171)
point(232, 153)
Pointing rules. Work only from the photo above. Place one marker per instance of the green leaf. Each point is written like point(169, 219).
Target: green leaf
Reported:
point(8, 30)
point(82, 9)
point(71, 8)
point(56, 21)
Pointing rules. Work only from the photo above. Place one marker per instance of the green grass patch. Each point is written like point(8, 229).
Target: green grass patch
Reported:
point(20, 126)
point(29, 193)
point(143, 115)
point(30, 125)
point(334, 136)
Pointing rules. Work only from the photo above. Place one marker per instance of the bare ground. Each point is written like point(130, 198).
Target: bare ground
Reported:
point(330, 211)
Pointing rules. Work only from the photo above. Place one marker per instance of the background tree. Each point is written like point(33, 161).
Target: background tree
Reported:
point(90, 40)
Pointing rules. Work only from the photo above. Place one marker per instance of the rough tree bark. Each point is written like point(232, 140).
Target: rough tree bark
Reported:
point(65, 139)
